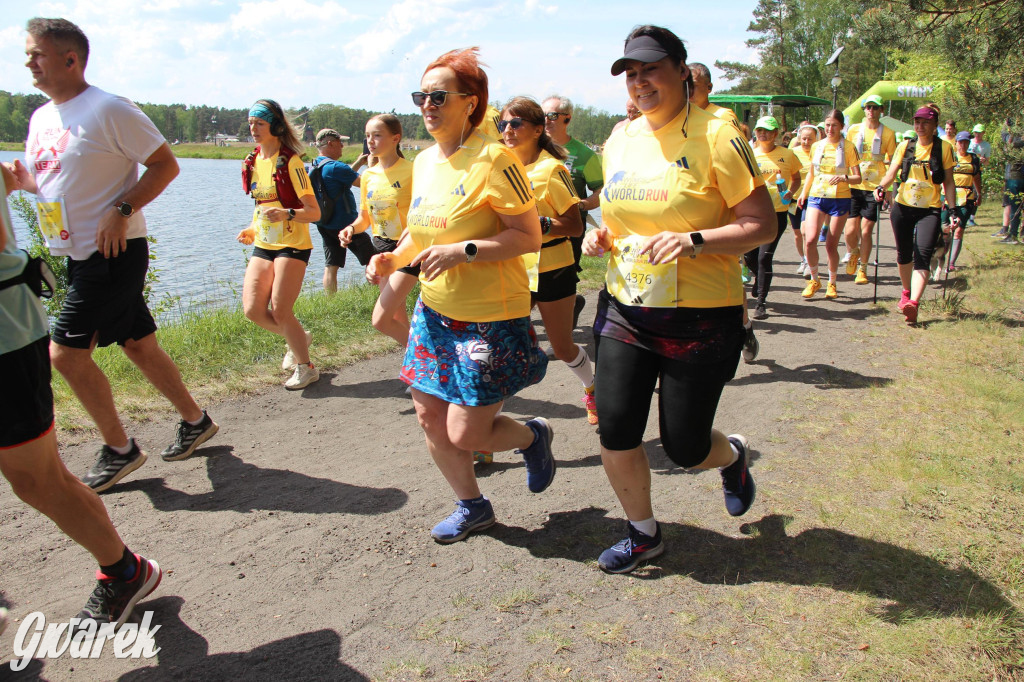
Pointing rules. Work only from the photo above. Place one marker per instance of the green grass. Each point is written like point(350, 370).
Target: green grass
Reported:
point(220, 353)
point(239, 150)
point(12, 146)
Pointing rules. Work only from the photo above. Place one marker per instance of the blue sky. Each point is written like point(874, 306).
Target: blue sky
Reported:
point(367, 54)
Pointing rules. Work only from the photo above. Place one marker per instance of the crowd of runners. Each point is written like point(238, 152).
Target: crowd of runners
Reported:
point(491, 221)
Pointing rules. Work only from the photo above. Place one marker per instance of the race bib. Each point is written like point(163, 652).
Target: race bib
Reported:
point(918, 193)
point(869, 172)
point(532, 263)
point(961, 195)
point(633, 280)
point(53, 223)
point(266, 231)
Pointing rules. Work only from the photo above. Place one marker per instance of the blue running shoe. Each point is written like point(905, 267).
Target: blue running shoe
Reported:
point(464, 520)
point(737, 484)
point(627, 554)
point(540, 463)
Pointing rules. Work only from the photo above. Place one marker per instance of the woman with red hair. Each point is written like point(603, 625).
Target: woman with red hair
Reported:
point(471, 344)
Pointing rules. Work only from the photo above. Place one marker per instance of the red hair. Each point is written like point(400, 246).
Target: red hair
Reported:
point(472, 79)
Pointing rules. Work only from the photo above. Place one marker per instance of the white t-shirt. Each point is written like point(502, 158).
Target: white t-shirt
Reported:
point(87, 151)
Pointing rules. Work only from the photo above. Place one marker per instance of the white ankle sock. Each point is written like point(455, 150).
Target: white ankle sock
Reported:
point(735, 456)
point(648, 526)
point(124, 449)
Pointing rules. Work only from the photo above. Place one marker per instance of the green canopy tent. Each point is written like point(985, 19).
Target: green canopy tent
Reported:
point(749, 108)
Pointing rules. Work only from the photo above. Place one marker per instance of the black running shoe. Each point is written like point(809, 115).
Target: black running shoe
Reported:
point(737, 484)
point(111, 467)
point(113, 600)
point(577, 308)
point(627, 554)
point(189, 438)
point(760, 312)
point(750, 345)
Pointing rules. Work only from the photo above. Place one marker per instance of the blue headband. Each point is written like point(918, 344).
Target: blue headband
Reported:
point(261, 110)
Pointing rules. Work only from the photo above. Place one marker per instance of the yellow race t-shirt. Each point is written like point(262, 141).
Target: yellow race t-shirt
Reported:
point(552, 186)
point(919, 190)
point(288, 233)
point(963, 178)
point(778, 161)
point(667, 181)
point(385, 194)
point(724, 113)
point(820, 186)
point(461, 198)
point(489, 126)
point(872, 166)
point(805, 161)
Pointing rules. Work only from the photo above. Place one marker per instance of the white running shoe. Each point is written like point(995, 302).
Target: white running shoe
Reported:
point(289, 360)
point(802, 268)
point(846, 258)
point(303, 376)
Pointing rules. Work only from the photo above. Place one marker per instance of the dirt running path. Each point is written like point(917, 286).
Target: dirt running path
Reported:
point(296, 544)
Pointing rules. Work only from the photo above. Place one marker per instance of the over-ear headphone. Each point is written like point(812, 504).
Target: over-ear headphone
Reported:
point(277, 128)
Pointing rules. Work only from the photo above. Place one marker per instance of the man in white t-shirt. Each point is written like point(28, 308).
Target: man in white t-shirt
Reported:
point(82, 157)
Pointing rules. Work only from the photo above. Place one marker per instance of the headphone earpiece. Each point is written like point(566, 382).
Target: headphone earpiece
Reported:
point(69, 62)
point(277, 129)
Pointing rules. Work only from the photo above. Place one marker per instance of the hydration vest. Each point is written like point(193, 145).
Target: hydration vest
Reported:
point(937, 172)
point(282, 182)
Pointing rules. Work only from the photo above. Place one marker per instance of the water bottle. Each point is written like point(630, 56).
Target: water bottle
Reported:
point(780, 184)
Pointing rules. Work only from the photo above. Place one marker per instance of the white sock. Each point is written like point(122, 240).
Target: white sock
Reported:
point(198, 421)
point(748, 325)
point(648, 526)
point(831, 277)
point(582, 367)
point(735, 456)
point(814, 271)
point(124, 449)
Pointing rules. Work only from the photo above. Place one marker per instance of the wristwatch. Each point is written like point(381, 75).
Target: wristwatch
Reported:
point(470, 252)
point(697, 240)
point(291, 214)
point(125, 209)
point(545, 225)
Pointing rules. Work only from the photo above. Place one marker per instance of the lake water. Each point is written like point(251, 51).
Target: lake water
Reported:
point(195, 222)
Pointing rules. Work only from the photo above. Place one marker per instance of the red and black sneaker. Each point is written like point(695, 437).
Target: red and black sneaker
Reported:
point(113, 599)
point(737, 483)
point(626, 555)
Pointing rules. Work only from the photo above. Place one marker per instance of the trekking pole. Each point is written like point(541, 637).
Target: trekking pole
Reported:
point(949, 254)
point(878, 234)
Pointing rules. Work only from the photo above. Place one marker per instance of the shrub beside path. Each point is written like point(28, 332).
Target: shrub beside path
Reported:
point(296, 545)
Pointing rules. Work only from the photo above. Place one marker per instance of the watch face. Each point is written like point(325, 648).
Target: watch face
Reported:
point(126, 209)
point(471, 249)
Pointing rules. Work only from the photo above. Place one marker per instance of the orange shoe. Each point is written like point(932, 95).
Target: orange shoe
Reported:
point(590, 402)
point(831, 291)
point(811, 288)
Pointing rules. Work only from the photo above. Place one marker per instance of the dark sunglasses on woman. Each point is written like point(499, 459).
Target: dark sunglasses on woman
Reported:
point(437, 97)
point(514, 123)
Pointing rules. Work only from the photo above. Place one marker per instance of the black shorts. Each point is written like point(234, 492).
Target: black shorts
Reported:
point(554, 285)
point(105, 299)
point(334, 252)
point(385, 245)
point(863, 204)
point(27, 400)
point(286, 252)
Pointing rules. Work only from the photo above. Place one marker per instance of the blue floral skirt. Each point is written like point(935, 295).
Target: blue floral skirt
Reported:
point(471, 363)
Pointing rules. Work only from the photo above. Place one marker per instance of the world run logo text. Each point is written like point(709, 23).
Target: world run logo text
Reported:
point(81, 639)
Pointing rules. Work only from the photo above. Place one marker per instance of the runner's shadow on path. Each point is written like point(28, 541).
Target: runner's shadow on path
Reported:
point(823, 309)
point(243, 487)
point(185, 654)
point(503, 461)
point(530, 407)
point(391, 387)
point(915, 585)
point(819, 375)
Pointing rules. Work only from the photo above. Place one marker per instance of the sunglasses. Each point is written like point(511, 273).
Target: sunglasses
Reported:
point(437, 97)
point(513, 123)
point(553, 115)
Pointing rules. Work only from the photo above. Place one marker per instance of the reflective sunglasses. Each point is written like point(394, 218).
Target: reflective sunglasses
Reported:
point(437, 97)
point(553, 115)
point(514, 123)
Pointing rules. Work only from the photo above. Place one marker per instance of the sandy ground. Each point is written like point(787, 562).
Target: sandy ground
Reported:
point(296, 545)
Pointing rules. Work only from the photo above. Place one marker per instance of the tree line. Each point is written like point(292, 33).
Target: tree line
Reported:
point(183, 123)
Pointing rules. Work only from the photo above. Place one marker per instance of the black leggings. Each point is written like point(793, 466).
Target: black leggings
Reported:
point(625, 379)
point(917, 231)
point(760, 261)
